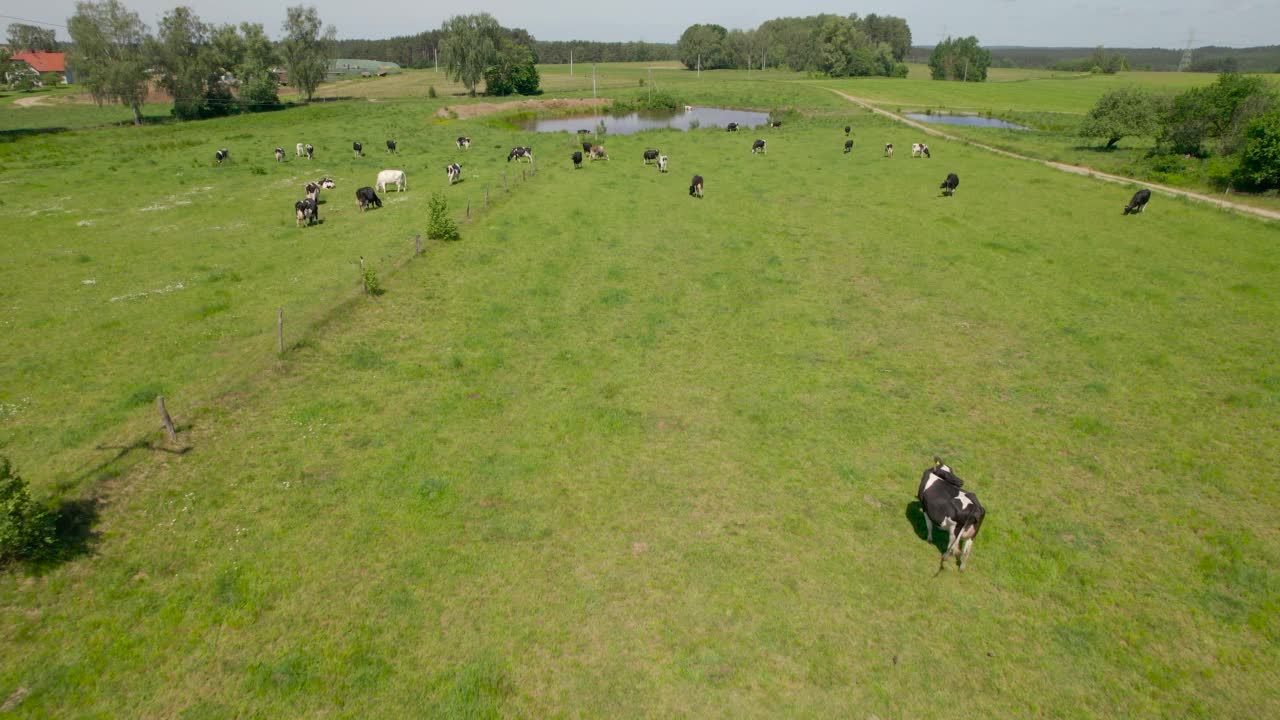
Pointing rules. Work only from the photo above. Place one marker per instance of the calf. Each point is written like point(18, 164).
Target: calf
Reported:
point(454, 171)
point(357, 148)
point(848, 129)
point(662, 163)
point(464, 143)
point(848, 146)
point(949, 185)
point(279, 154)
point(775, 124)
point(519, 153)
point(391, 146)
point(221, 155)
point(957, 511)
point(732, 127)
point(310, 151)
point(299, 149)
point(888, 149)
point(598, 153)
point(757, 146)
point(391, 177)
point(919, 150)
point(650, 155)
point(365, 197)
point(1138, 203)
point(577, 160)
point(695, 186)
point(306, 211)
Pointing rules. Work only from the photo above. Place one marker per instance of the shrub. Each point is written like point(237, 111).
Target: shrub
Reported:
point(260, 93)
point(369, 279)
point(27, 529)
point(1260, 158)
point(50, 79)
point(441, 226)
point(431, 91)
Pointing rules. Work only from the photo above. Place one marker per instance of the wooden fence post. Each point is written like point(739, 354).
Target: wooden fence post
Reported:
point(417, 244)
point(280, 332)
point(363, 285)
point(468, 207)
point(167, 421)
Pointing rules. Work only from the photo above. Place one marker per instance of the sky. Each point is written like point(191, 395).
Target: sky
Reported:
point(1073, 23)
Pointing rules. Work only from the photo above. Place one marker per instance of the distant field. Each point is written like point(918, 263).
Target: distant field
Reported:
point(623, 453)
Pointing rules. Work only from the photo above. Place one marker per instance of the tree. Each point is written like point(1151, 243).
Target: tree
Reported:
point(703, 46)
point(891, 30)
point(258, 82)
point(179, 52)
point(513, 71)
point(30, 37)
point(1221, 111)
point(469, 47)
point(27, 529)
point(959, 59)
point(108, 55)
point(305, 49)
point(1120, 113)
point(1260, 157)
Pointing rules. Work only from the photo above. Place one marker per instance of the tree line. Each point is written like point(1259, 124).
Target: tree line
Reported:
point(420, 50)
point(834, 45)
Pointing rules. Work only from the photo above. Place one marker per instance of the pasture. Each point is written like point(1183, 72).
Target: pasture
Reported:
point(624, 453)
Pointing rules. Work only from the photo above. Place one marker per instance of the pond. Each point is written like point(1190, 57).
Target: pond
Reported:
point(635, 122)
point(970, 120)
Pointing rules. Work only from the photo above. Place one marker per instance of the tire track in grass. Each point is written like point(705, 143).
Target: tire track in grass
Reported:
point(1065, 167)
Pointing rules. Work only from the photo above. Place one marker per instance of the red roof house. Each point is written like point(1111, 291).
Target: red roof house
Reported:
point(43, 62)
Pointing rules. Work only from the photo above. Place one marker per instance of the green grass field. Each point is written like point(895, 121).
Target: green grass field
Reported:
point(623, 453)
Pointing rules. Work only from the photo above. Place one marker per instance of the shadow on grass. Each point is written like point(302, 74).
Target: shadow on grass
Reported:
point(915, 516)
point(7, 136)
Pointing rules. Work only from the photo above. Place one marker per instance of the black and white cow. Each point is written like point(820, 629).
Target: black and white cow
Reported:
point(464, 143)
point(757, 147)
point(919, 150)
point(695, 186)
point(662, 163)
point(775, 124)
point(577, 160)
point(519, 153)
point(310, 151)
point(279, 154)
point(731, 127)
point(357, 148)
point(306, 211)
point(454, 171)
point(391, 146)
point(950, 508)
point(650, 156)
point(888, 149)
point(1138, 203)
point(949, 185)
point(313, 188)
point(848, 146)
point(365, 197)
point(221, 155)
point(598, 153)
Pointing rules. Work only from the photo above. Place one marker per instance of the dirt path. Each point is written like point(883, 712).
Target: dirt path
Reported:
point(31, 101)
point(1064, 167)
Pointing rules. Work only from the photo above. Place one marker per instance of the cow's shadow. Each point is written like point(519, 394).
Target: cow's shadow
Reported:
point(915, 516)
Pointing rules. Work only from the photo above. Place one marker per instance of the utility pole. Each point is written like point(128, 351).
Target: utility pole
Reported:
point(437, 60)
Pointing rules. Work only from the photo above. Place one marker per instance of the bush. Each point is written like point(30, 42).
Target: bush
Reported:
point(369, 279)
point(27, 529)
point(441, 226)
point(50, 79)
point(431, 91)
point(901, 70)
point(1260, 158)
point(260, 93)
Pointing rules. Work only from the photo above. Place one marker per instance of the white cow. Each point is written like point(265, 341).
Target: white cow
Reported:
point(919, 150)
point(391, 177)
point(299, 149)
point(662, 163)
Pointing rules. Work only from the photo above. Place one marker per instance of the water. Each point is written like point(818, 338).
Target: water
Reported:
point(649, 120)
point(970, 120)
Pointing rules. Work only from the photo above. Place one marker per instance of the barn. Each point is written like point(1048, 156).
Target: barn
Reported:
point(43, 62)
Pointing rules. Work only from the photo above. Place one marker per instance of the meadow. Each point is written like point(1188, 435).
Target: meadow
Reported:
point(623, 453)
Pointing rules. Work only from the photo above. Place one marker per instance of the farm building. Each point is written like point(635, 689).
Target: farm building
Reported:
point(43, 62)
point(350, 67)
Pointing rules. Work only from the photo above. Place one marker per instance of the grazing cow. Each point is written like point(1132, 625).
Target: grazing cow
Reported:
point(357, 148)
point(586, 146)
point(957, 511)
point(391, 146)
point(757, 146)
point(583, 131)
point(950, 184)
point(365, 197)
point(688, 108)
point(650, 155)
point(732, 127)
point(775, 123)
point(391, 177)
point(299, 149)
point(279, 154)
point(577, 160)
point(520, 153)
point(221, 155)
point(888, 149)
point(919, 150)
point(662, 163)
point(454, 171)
point(313, 188)
point(695, 186)
point(307, 211)
point(464, 143)
point(848, 129)
point(310, 151)
point(1138, 203)
point(848, 146)
point(598, 153)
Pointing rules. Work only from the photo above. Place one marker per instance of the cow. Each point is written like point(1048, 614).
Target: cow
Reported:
point(313, 188)
point(688, 108)
point(949, 185)
point(577, 160)
point(299, 149)
point(279, 154)
point(848, 129)
point(848, 146)
point(957, 511)
point(583, 131)
point(919, 150)
point(888, 150)
point(358, 149)
point(598, 153)
point(775, 124)
point(307, 211)
point(695, 186)
point(731, 127)
point(221, 155)
point(391, 146)
point(365, 197)
point(1138, 203)
point(464, 143)
point(391, 177)
point(662, 163)
point(310, 151)
point(650, 155)
point(586, 146)
point(757, 146)
point(454, 171)
point(520, 153)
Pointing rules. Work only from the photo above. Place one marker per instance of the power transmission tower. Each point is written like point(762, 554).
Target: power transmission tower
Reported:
point(1185, 63)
